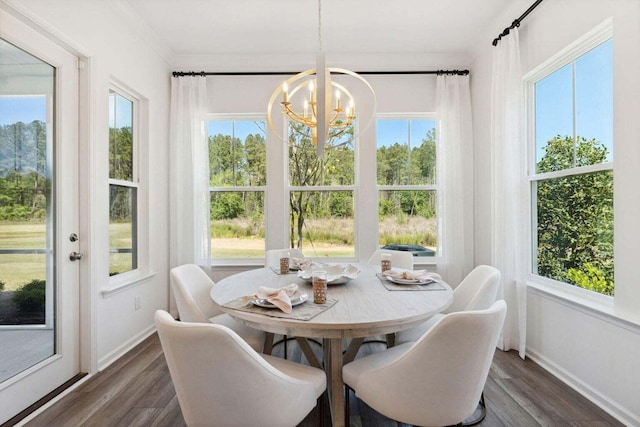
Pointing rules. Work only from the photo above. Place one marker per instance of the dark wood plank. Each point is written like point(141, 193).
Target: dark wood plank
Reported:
point(137, 390)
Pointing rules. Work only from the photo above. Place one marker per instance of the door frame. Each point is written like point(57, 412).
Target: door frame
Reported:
point(20, 28)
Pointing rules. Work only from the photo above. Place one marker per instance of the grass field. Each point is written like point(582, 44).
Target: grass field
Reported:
point(332, 238)
point(18, 269)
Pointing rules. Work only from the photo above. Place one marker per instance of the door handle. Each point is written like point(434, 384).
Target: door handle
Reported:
point(75, 256)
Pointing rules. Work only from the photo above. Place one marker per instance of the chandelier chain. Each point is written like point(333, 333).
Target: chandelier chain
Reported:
point(320, 25)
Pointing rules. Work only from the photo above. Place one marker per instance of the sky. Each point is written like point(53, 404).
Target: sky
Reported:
point(23, 109)
point(593, 93)
point(390, 131)
point(242, 128)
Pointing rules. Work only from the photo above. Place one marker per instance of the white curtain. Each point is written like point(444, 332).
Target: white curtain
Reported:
point(509, 190)
point(189, 173)
point(455, 146)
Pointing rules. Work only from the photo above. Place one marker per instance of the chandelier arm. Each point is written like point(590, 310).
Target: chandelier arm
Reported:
point(296, 117)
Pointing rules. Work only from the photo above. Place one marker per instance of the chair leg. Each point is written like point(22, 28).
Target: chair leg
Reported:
point(483, 413)
point(321, 411)
point(347, 415)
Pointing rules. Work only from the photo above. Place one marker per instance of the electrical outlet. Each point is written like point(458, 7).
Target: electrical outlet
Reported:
point(137, 303)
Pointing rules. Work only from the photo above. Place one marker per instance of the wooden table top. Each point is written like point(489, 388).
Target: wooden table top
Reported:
point(364, 307)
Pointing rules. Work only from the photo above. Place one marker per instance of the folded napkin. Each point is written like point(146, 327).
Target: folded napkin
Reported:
point(421, 275)
point(280, 297)
point(299, 263)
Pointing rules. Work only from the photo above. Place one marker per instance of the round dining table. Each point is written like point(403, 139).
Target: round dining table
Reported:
point(362, 307)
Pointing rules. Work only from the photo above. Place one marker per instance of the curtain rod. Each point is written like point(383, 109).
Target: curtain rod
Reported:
point(515, 23)
point(278, 73)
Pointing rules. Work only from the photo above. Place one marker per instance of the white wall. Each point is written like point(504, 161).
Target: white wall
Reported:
point(592, 345)
point(113, 53)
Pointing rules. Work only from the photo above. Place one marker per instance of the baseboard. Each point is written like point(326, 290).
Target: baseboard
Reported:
point(120, 351)
point(595, 396)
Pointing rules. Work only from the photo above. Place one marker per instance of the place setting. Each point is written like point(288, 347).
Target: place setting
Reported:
point(291, 265)
point(286, 302)
point(410, 280)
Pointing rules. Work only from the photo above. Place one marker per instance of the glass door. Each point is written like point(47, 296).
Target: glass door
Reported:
point(39, 308)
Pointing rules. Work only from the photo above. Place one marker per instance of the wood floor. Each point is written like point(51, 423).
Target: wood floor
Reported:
point(137, 391)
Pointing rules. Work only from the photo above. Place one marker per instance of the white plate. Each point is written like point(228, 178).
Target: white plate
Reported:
point(401, 281)
point(296, 299)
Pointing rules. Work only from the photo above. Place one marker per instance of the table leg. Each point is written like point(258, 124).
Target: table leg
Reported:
point(308, 353)
point(268, 343)
point(352, 349)
point(333, 368)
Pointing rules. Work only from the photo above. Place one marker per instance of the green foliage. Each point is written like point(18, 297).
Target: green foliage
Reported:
point(2, 285)
point(14, 212)
point(237, 228)
point(592, 278)
point(30, 297)
point(236, 163)
point(121, 153)
point(226, 206)
point(575, 216)
point(23, 182)
point(399, 164)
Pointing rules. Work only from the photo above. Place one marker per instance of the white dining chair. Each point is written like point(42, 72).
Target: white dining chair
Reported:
point(436, 381)
point(272, 256)
point(477, 291)
point(191, 287)
point(221, 381)
point(399, 259)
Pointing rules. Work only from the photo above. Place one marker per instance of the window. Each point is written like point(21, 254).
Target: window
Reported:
point(321, 195)
point(238, 179)
point(407, 190)
point(572, 179)
point(123, 184)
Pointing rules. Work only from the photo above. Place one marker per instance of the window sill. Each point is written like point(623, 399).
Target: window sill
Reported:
point(124, 281)
point(596, 305)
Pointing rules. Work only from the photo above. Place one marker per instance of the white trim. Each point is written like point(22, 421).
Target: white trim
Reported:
point(587, 302)
point(595, 37)
point(589, 41)
point(139, 181)
point(427, 261)
point(125, 281)
point(138, 25)
point(581, 170)
point(594, 395)
point(127, 346)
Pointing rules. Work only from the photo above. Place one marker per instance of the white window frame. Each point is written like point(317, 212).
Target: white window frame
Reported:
point(433, 260)
point(140, 181)
point(589, 41)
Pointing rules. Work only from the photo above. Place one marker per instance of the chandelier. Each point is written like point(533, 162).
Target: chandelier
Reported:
point(324, 108)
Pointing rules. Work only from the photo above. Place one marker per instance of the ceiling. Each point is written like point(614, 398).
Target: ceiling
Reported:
point(212, 27)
